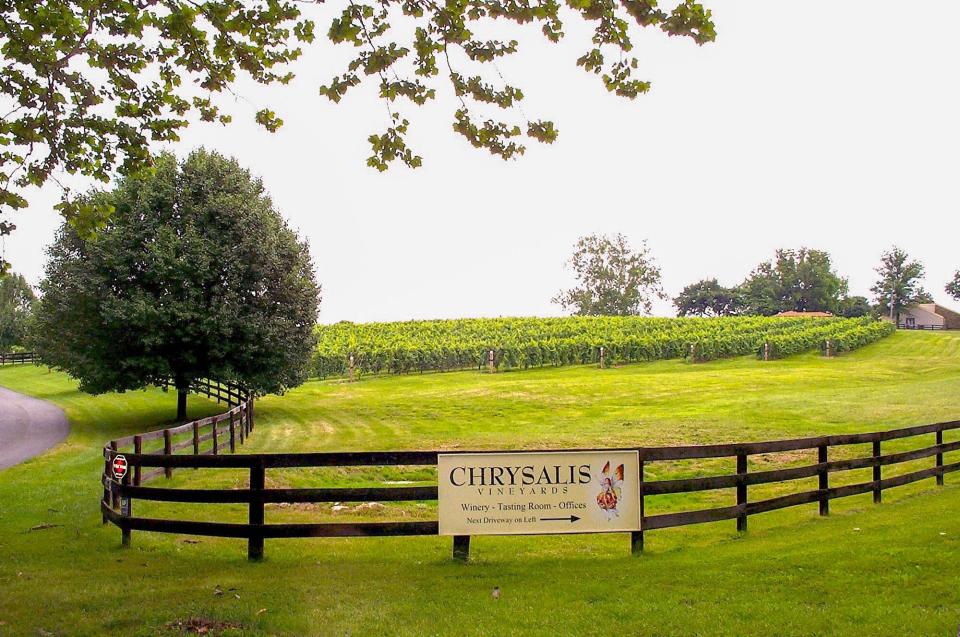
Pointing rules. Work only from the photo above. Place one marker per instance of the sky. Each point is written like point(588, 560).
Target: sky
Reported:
point(831, 125)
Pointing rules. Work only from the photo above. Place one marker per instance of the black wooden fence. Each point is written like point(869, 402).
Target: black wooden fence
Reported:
point(210, 436)
point(256, 530)
point(17, 358)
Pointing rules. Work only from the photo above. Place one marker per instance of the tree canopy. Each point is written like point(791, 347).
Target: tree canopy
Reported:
point(708, 298)
point(613, 279)
point(16, 306)
point(953, 288)
point(194, 276)
point(90, 86)
point(899, 279)
point(800, 280)
point(855, 306)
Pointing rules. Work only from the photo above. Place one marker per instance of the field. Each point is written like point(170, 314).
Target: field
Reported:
point(889, 569)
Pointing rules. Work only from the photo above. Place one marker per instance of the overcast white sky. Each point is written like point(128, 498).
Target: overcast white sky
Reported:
point(827, 124)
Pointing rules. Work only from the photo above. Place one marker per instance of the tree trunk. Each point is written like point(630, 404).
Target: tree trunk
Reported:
point(181, 405)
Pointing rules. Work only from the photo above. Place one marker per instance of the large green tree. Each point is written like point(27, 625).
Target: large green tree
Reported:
point(613, 279)
point(16, 305)
point(953, 288)
point(90, 86)
point(899, 282)
point(708, 298)
point(800, 280)
point(855, 306)
point(195, 276)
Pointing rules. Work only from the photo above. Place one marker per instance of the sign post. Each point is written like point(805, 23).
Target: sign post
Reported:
point(529, 493)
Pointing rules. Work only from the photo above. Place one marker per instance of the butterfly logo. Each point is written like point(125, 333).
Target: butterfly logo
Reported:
point(610, 490)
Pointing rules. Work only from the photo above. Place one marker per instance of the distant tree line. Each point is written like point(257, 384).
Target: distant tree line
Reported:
point(804, 280)
point(801, 280)
point(615, 280)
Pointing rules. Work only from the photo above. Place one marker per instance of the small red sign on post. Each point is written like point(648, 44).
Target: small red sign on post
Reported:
point(119, 467)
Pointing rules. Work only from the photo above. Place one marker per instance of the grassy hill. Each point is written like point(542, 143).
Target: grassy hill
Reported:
point(878, 570)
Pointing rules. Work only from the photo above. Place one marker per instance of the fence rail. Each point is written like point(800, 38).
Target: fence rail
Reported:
point(17, 358)
point(224, 432)
point(256, 530)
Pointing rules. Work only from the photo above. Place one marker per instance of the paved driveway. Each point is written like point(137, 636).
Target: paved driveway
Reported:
point(28, 427)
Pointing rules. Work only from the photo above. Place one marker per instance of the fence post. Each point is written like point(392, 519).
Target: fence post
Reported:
point(766, 351)
point(461, 547)
point(216, 445)
point(107, 491)
point(241, 426)
point(233, 436)
point(167, 450)
point(636, 537)
point(876, 472)
point(115, 493)
point(490, 366)
point(741, 492)
point(824, 485)
point(601, 357)
point(940, 459)
point(126, 510)
point(257, 482)
point(137, 449)
point(351, 366)
point(196, 439)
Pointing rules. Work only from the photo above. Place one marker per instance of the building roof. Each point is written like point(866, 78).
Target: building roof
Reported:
point(935, 308)
point(951, 319)
point(794, 313)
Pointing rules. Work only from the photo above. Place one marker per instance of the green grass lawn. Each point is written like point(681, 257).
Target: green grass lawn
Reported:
point(866, 570)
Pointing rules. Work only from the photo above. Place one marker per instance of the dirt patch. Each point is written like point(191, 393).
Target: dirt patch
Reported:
point(202, 626)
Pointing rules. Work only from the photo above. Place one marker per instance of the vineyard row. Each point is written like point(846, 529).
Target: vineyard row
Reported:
point(518, 343)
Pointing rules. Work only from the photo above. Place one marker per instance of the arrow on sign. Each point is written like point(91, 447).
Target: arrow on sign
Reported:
point(571, 518)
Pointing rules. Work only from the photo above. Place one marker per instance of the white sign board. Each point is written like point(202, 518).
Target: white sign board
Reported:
point(539, 492)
